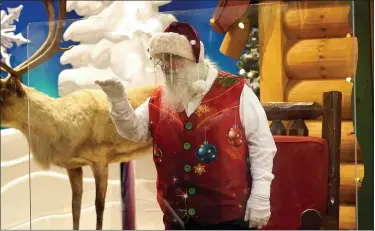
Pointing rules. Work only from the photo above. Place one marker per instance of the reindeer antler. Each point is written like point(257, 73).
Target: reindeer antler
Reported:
point(49, 48)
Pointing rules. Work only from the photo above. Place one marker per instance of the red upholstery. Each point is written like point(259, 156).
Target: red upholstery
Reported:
point(301, 180)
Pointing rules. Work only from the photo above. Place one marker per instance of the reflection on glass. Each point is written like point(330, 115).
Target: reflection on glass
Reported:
point(202, 154)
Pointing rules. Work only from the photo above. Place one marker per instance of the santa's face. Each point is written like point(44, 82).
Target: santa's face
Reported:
point(179, 74)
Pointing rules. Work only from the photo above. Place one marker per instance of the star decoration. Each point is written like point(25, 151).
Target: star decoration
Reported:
point(7, 32)
point(199, 169)
point(175, 180)
point(184, 196)
point(202, 109)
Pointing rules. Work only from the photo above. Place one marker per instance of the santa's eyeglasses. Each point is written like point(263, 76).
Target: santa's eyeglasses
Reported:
point(168, 61)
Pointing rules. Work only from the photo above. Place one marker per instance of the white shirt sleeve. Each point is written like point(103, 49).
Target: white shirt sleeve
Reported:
point(262, 148)
point(131, 124)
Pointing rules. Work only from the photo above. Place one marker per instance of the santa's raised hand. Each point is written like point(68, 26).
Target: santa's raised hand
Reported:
point(113, 88)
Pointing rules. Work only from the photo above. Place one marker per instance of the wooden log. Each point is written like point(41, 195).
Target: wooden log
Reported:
point(292, 111)
point(347, 149)
point(348, 183)
point(312, 90)
point(331, 128)
point(347, 217)
point(316, 19)
point(271, 45)
point(334, 58)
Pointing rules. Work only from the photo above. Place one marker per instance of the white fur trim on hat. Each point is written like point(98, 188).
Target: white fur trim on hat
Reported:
point(173, 43)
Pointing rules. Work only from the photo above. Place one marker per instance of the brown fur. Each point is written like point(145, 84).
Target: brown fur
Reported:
point(70, 132)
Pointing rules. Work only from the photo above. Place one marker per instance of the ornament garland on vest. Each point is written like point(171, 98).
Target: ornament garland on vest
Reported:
point(206, 153)
point(157, 155)
point(235, 138)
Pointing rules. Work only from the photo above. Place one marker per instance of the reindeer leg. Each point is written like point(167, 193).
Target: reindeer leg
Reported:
point(75, 178)
point(100, 171)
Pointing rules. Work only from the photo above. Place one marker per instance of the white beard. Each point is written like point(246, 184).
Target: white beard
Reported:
point(178, 88)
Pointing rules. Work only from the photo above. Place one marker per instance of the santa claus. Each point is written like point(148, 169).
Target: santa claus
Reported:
point(213, 149)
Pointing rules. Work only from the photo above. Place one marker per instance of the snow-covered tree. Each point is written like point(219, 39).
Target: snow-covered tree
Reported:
point(113, 39)
point(249, 62)
point(8, 38)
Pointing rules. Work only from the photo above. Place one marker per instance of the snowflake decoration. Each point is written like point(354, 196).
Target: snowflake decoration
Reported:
point(202, 109)
point(199, 169)
point(7, 32)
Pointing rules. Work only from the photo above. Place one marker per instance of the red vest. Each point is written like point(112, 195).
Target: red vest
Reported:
point(201, 160)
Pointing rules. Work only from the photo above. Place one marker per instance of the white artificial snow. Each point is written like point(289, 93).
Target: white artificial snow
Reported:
point(113, 40)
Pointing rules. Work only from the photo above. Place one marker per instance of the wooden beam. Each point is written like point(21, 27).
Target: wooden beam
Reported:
point(311, 91)
point(316, 19)
point(292, 111)
point(331, 58)
point(271, 45)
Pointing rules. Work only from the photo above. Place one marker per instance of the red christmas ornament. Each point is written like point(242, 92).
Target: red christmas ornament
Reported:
point(234, 136)
point(157, 155)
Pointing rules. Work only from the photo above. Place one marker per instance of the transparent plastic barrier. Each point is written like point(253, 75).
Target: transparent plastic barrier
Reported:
point(292, 52)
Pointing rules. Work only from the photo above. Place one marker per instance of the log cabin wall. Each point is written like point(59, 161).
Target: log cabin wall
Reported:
point(305, 50)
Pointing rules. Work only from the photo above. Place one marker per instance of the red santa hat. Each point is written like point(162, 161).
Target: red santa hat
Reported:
point(179, 38)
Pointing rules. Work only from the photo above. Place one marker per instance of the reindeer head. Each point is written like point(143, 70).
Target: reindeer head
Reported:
point(12, 91)
point(12, 95)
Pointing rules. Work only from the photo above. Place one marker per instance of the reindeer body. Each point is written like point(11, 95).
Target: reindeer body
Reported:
point(74, 130)
point(70, 132)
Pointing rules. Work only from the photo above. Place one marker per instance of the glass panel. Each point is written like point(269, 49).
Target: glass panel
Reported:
point(14, 153)
point(210, 162)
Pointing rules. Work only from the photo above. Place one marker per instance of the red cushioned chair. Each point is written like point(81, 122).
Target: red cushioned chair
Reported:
point(305, 191)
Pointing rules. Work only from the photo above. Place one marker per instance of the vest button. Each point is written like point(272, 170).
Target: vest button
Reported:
point(192, 191)
point(188, 125)
point(187, 168)
point(191, 212)
point(187, 146)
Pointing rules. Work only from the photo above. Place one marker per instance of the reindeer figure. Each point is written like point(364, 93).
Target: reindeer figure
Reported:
point(72, 131)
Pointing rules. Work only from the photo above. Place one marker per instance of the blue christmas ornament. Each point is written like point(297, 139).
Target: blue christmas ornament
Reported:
point(206, 153)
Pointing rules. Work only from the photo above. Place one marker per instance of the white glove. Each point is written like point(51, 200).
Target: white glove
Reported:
point(258, 211)
point(120, 108)
point(113, 88)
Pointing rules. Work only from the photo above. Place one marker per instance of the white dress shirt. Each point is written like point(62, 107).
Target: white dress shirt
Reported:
point(134, 125)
